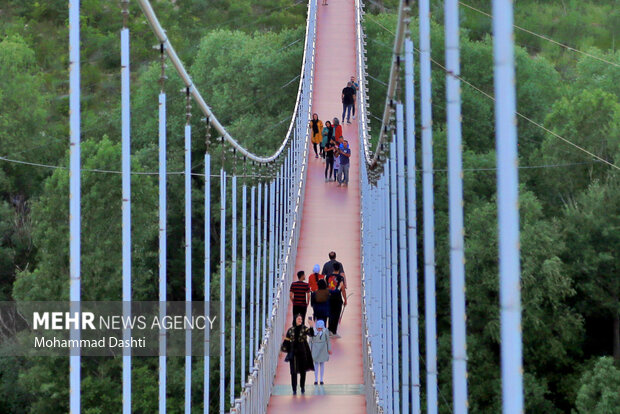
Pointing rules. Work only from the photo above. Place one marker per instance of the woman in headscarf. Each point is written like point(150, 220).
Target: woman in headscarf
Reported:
point(320, 346)
point(317, 130)
point(337, 128)
point(328, 134)
point(299, 355)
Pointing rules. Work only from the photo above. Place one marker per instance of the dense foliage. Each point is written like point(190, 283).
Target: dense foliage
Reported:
point(263, 41)
point(569, 204)
point(244, 55)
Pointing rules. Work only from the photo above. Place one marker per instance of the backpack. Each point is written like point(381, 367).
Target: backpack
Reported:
point(333, 283)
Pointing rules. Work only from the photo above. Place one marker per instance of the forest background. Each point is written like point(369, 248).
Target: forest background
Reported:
point(245, 57)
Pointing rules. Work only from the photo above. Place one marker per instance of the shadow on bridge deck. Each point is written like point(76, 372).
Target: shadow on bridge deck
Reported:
point(331, 222)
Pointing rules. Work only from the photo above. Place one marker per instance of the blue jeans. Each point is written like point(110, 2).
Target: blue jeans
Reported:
point(344, 174)
point(349, 107)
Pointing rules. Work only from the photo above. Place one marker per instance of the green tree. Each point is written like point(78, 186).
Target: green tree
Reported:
point(600, 389)
point(45, 378)
point(591, 120)
point(551, 329)
point(592, 228)
point(25, 109)
point(256, 101)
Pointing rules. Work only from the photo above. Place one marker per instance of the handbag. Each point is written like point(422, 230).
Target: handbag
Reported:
point(286, 346)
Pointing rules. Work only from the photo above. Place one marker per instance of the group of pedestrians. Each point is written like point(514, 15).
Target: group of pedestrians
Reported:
point(328, 142)
point(308, 348)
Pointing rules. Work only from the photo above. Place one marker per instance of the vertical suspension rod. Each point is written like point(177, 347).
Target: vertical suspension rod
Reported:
point(428, 207)
point(412, 225)
point(508, 207)
point(75, 214)
point(222, 288)
point(163, 288)
point(259, 250)
point(406, 277)
point(244, 202)
point(265, 275)
point(188, 257)
point(233, 292)
point(455, 195)
point(126, 205)
point(207, 287)
point(272, 245)
point(394, 279)
point(252, 272)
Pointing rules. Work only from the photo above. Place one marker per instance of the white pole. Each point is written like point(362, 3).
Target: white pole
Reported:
point(244, 207)
point(402, 238)
point(259, 251)
point(233, 293)
point(412, 224)
point(508, 207)
point(428, 206)
point(265, 275)
point(207, 287)
point(272, 245)
point(253, 296)
point(455, 190)
point(75, 214)
point(222, 288)
point(387, 265)
point(163, 288)
point(126, 183)
point(394, 279)
point(188, 266)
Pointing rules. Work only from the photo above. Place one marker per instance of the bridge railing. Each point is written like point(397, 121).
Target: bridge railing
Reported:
point(373, 404)
point(257, 390)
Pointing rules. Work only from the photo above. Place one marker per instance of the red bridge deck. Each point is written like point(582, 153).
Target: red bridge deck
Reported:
point(331, 222)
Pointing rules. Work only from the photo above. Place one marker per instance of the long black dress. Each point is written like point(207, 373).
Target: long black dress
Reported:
point(300, 356)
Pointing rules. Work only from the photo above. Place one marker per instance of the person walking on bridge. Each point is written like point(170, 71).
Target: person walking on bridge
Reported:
point(356, 87)
point(328, 267)
point(329, 150)
point(320, 345)
point(338, 298)
point(328, 134)
point(320, 301)
point(313, 280)
point(337, 128)
point(345, 154)
point(348, 101)
point(317, 129)
point(300, 295)
point(298, 352)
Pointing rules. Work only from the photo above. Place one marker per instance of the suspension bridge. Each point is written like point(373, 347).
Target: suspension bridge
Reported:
point(279, 225)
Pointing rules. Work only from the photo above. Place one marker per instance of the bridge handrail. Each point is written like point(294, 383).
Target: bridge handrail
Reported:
point(373, 403)
point(160, 33)
point(257, 390)
point(372, 158)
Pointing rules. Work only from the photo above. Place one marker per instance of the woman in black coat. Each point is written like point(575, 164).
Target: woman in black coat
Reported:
point(298, 351)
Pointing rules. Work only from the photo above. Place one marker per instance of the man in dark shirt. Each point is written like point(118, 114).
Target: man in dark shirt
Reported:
point(328, 267)
point(348, 101)
point(337, 298)
point(356, 87)
point(300, 295)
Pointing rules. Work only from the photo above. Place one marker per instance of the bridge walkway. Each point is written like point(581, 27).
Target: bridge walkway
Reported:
point(331, 221)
